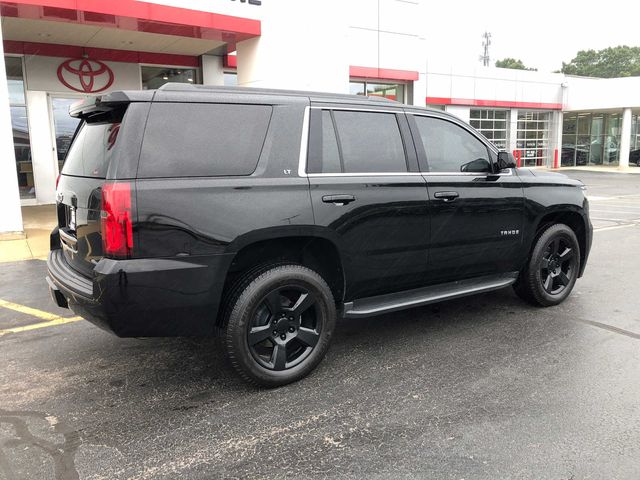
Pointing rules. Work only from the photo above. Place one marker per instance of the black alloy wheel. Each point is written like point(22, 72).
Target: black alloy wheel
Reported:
point(279, 323)
point(552, 269)
point(285, 328)
point(558, 266)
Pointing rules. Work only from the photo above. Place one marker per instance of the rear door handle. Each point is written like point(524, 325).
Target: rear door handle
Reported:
point(338, 199)
point(446, 196)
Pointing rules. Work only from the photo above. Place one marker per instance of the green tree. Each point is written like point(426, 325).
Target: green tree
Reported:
point(514, 63)
point(620, 61)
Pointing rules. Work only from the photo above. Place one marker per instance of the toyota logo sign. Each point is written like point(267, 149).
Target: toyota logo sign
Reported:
point(84, 75)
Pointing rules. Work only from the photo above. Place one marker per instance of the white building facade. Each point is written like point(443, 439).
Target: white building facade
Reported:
point(57, 51)
point(547, 120)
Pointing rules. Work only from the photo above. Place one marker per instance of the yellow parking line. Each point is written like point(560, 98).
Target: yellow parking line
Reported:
point(35, 326)
point(50, 318)
point(28, 310)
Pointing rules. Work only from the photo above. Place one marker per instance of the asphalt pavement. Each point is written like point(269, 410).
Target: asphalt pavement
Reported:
point(485, 387)
point(614, 198)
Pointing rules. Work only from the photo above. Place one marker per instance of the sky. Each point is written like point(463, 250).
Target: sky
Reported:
point(542, 33)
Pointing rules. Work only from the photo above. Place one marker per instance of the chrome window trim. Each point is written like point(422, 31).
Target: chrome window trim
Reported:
point(470, 174)
point(356, 109)
point(366, 174)
point(304, 143)
point(410, 174)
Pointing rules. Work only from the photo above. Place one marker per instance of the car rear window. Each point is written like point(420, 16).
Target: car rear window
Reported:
point(91, 150)
point(203, 140)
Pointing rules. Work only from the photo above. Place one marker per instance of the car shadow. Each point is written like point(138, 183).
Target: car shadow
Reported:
point(188, 364)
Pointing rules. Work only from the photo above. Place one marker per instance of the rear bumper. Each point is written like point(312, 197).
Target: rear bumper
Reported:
point(143, 297)
point(72, 285)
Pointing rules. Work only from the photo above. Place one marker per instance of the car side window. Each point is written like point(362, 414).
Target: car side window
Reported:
point(324, 155)
point(344, 141)
point(370, 142)
point(331, 153)
point(213, 139)
point(451, 148)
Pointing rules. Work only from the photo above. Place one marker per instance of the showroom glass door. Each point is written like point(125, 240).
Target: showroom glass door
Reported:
point(533, 137)
point(64, 126)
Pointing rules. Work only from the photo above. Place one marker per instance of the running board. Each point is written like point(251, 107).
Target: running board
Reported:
point(366, 307)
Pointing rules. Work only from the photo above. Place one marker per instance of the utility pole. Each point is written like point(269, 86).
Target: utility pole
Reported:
point(486, 41)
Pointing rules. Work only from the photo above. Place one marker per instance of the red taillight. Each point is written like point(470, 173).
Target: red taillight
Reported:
point(57, 181)
point(115, 218)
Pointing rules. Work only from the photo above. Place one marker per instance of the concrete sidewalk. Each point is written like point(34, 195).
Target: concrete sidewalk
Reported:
point(38, 222)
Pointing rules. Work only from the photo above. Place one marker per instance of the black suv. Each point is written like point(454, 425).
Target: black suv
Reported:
point(263, 215)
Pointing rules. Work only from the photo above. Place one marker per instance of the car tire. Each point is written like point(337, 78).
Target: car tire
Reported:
point(279, 324)
point(552, 269)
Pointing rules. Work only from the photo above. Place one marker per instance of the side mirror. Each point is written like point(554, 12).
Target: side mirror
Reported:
point(505, 160)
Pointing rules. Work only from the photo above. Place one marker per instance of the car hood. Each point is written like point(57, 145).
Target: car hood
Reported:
point(544, 173)
point(551, 177)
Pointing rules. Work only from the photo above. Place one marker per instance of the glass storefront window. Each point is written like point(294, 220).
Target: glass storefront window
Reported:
point(570, 124)
point(14, 80)
point(392, 91)
point(595, 141)
point(20, 126)
point(584, 122)
point(635, 132)
point(611, 139)
point(611, 150)
point(568, 150)
point(597, 125)
point(533, 138)
point(582, 150)
point(493, 124)
point(155, 77)
point(22, 149)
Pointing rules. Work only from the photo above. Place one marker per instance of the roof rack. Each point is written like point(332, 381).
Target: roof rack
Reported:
point(187, 87)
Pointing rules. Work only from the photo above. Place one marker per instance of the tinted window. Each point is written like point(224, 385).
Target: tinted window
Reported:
point(330, 153)
point(91, 150)
point(451, 148)
point(324, 156)
point(370, 142)
point(201, 140)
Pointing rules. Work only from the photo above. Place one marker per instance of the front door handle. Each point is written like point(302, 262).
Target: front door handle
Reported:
point(338, 199)
point(446, 196)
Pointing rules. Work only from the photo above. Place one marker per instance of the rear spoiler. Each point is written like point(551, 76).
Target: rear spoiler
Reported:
point(91, 107)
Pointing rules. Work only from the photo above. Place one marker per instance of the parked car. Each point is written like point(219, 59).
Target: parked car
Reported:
point(264, 215)
point(574, 155)
point(634, 157)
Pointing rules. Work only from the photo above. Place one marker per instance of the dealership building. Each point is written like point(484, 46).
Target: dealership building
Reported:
point(55, 52)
